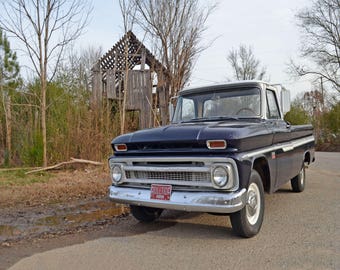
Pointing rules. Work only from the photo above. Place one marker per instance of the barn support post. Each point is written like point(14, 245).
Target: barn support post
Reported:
point(97, 86)
point(142, 61)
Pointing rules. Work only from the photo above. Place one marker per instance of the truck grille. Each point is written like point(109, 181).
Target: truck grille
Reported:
point(183, 173)
point(171, 176)
point(173, 173)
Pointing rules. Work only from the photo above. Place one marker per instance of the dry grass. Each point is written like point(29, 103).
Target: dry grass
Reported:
point(10, 178)
point(48, 188)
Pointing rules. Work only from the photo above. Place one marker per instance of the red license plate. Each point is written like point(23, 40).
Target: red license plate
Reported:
point(161, 192)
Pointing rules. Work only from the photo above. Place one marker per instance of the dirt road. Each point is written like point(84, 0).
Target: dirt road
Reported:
point(300, 231)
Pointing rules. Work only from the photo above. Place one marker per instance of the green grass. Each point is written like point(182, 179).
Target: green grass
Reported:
point(19, 178)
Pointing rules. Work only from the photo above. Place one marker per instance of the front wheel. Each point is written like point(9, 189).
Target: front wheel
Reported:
point(247, 222)
point(145, 214)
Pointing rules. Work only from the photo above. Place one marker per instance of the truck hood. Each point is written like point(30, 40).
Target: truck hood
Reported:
point(238, 135)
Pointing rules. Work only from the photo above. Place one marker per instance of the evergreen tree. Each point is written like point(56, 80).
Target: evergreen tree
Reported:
point(9, 67)
point(9, 80)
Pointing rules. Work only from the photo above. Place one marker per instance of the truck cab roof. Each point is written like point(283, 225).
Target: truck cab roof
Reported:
point(225, 85)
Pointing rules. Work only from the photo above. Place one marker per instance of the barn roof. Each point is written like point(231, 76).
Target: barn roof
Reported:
point(116, 56)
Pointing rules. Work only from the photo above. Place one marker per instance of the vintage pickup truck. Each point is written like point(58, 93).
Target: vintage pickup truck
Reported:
point(227, 144)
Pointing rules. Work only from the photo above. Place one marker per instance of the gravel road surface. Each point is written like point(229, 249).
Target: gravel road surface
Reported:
point(300, 231)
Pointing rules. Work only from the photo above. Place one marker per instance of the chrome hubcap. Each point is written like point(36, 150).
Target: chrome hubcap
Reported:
point(253, 203)
point(302, 177)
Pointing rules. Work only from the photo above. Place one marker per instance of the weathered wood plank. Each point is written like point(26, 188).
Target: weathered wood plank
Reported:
point(97, 86)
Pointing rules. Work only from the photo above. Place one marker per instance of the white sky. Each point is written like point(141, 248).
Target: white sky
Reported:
point(268, 26)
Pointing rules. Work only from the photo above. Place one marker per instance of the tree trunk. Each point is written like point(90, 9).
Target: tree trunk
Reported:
point(6, 102)
point(122, 127)
point(126, 78)
point(9, 129)
point(43, 120)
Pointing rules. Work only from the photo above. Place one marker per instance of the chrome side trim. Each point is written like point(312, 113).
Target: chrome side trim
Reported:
point(289, 146)
point(214, 202)
point(302, 141)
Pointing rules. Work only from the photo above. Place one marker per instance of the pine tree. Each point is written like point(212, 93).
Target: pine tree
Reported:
point(9, 80)
point(9, 67)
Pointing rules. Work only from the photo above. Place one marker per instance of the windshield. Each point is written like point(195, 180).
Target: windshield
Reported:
point(214, 105)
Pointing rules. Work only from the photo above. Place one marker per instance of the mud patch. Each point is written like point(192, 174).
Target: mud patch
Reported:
point(7, 230)
point(82, 217)
point(33, 222)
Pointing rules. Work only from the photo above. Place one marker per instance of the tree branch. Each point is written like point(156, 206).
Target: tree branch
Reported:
point(72, 161)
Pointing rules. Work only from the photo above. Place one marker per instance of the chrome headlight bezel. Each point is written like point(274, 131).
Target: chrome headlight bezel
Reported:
point(116, 172)
point(224, 171)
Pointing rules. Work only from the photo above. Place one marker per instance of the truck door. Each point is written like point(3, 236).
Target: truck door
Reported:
point(281, 133)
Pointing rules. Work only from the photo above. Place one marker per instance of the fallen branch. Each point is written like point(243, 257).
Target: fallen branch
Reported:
point(72, 161)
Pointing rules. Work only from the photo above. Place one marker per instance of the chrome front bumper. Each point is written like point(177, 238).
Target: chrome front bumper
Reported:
point(213, 202)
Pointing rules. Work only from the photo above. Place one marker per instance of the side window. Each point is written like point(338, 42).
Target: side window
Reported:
point(272, 108)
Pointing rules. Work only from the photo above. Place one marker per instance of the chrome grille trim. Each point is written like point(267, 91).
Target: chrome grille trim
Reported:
point(166, 169)
point(188, 172)
point(140, 185)
point(188, 176)
point(170, 182)
point(165, 175)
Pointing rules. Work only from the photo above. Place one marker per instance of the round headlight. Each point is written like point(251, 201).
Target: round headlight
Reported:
point(220, 176)
point(116, 173)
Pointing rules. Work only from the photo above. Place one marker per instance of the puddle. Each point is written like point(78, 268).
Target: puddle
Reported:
point(58, 219)
point(83, 217)
point(7, 230)
point(96, 215)
point(96, 205)
point(48, 221)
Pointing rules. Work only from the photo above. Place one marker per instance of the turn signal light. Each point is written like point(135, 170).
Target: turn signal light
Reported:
point(217, 144)
point(120, 147)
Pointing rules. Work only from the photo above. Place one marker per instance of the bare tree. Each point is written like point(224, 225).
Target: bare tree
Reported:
point(244, 64)
point(45, 28)
point(175, 29)
point(74, 72)
point(320, 25)
point(128, 11)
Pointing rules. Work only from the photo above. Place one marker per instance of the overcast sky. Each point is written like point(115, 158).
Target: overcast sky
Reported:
point(268, 26)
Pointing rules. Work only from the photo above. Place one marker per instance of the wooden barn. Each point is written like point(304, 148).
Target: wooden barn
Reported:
point(130, 74)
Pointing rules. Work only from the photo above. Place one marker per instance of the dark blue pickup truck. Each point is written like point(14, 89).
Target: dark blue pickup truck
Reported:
point(227, 145)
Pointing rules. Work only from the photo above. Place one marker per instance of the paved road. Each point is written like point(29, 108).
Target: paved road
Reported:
point(300, 231)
